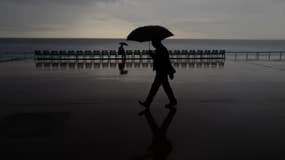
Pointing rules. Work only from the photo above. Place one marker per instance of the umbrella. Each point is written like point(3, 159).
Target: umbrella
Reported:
point(123, 43)
point(149, 33)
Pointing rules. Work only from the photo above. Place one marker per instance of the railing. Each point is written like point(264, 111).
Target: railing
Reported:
point(144, 54)
point(256, 55)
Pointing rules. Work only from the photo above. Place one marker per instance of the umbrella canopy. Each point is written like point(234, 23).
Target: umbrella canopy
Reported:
point(123, 43)
point(149, 33)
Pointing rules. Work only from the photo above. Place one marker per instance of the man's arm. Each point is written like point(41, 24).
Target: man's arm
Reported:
point(151, 54)
point(171, 70)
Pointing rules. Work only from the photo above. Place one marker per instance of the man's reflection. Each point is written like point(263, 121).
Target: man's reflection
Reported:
point(122, 67)
point(161, 146)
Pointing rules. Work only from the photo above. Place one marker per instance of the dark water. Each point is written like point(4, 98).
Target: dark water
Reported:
point(25, 47)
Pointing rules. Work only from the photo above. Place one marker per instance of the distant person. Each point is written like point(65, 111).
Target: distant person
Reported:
point(121, 50)
point(163, 68)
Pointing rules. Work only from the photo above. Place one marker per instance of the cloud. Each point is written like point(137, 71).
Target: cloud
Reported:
point(192, 18)
point(57, 2)
point(53, 17)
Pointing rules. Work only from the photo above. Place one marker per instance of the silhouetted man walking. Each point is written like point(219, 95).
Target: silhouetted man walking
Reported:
point(163, 68)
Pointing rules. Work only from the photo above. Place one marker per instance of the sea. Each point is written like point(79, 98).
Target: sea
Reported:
point(19, 48)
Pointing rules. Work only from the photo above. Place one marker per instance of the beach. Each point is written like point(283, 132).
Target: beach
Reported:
point(234, 112)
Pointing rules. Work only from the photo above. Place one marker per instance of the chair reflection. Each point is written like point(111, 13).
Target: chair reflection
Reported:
point(161, 146)
point(103, 64)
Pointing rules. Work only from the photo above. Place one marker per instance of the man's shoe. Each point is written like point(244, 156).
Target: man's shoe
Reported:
point(171, 105)
point(146, 105)
point(143, 112)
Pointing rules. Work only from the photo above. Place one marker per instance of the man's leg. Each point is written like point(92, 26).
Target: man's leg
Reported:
point(154, 88)
point(168, 90)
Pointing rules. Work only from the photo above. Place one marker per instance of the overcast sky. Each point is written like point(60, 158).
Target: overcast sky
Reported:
point(221, 19)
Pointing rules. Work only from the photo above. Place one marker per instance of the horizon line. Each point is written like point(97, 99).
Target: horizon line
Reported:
point(126, 40)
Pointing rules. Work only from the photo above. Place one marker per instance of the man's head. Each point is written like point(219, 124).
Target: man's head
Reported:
point(156, 43)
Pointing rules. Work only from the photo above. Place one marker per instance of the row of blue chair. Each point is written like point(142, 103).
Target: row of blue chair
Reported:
point(130, 53)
